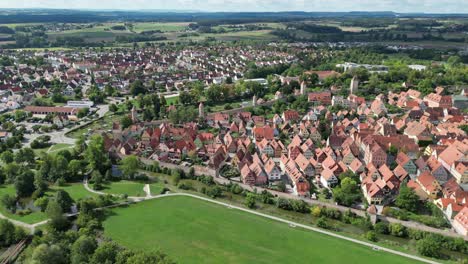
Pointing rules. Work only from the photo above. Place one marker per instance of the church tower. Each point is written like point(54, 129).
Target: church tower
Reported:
point(254, 100)
point(354, 85)
point(303, 88)
point(201, 110)
point(134, 116)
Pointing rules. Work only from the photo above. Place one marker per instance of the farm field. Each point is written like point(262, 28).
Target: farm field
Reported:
point(195, 231)
point(164, 27)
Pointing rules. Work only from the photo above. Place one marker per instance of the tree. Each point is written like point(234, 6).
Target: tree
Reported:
point(75, 169)
point(349, 174)
point(97, 180)
point(348, 192)
point(9, 202)
point(83, 112)
point(125, 122)
point(82, 249)
point(113, 108)
point(42, 203)
point(105, 253)
point(429, 247)
point(96, 156)
point(145, 257)
point(25, 155)
point(137, 88)
point(39, 184)
point(130, 166)
point(9, 234)
point(250, 200)
point(64, 200)
point(24, 184)
point(57, 220)
point(407, 199)
point(45, 254)
point(7, 156)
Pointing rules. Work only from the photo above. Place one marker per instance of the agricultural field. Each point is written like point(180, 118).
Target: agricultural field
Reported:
point(195, 231)
point(164, 27)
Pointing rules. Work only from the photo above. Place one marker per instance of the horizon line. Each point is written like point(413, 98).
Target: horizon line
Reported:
point(220, 11)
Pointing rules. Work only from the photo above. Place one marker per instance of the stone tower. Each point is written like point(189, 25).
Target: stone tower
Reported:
point(254, 100)
point(303, 88)
point(354, 85)
point(201, 110)
point(134, 116)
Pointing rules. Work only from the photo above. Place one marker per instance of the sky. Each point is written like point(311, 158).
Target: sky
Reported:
point(404, 6)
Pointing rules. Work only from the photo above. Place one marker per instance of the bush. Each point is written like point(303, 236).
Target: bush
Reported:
point(24, 212)
point(397, 230)
point(429, 247)
point(184, 186)
point(371, 236)
point(322, 222)
point(331, 213)
point(381, 228)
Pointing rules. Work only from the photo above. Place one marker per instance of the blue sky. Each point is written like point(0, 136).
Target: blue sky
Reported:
point(428, 6)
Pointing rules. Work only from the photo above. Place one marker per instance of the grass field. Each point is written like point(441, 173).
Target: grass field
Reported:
point(59, 147)
point(172, 100)
point(29, 219)
point(125, 187)
point(195, 231)
point(164, 27)
point(76, 190)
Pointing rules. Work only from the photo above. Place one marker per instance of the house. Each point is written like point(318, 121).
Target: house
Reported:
point(290, 116)
point(437, 100)
point(320, 98)
point(460, 222)
point(304, 165)
point(429, 184)
point(265, 132)
point(328, 179)
point(403, 160)
point(45, 110)
point(4, 135)
point(272, 170)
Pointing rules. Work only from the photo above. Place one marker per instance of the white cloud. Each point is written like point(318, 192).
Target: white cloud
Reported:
point(434, 6)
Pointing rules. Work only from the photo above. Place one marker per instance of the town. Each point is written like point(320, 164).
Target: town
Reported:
point(359, 143)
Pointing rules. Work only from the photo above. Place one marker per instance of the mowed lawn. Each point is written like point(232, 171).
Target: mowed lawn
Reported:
point(195, 231)
point(76, 191)
point(129, 188)
point(32, 218)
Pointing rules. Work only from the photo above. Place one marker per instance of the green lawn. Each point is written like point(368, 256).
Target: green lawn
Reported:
point(156, 188)
point(172, 100)
point(59, 147)
point(76, 190)
point(194, 231)
point(29, 219)
point(125, 187)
